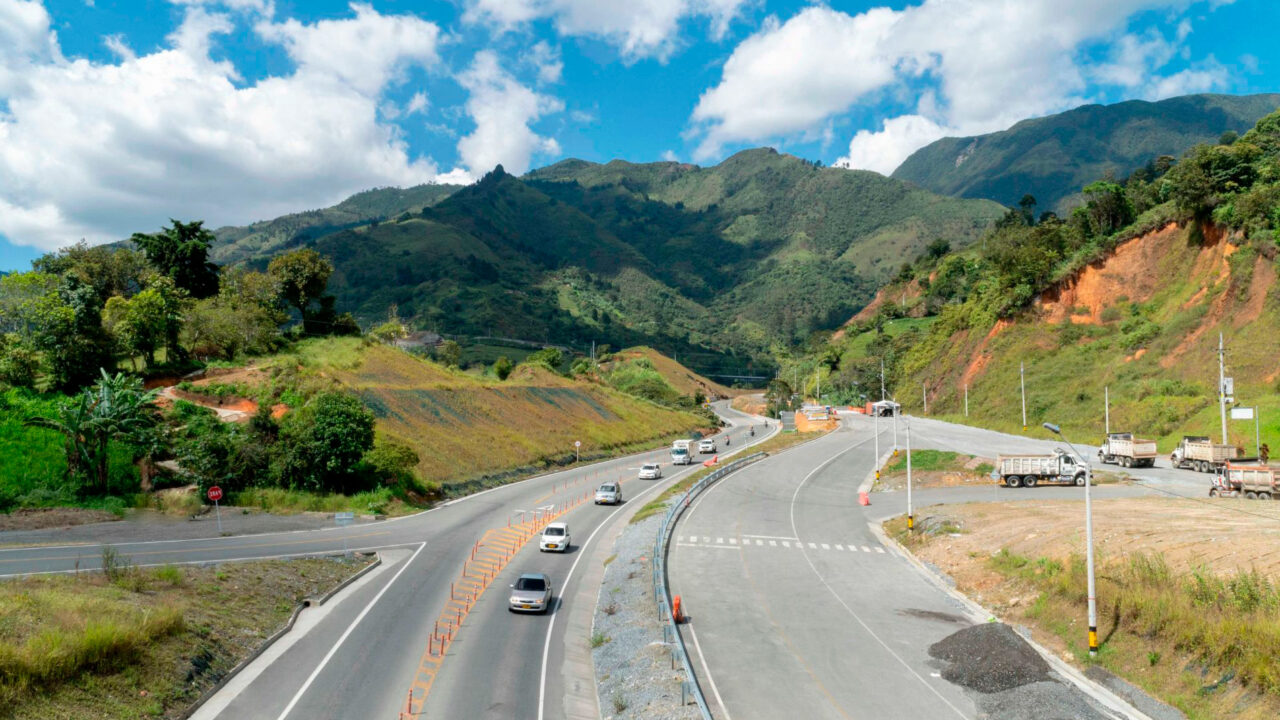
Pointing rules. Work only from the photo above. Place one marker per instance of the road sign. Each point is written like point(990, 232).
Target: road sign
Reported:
point(215, 493)
point(344, 518)
point(577, 443)
point(1241, 413)
point(1228, 386)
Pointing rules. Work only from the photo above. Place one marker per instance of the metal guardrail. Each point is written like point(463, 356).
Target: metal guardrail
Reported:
point(662, 593)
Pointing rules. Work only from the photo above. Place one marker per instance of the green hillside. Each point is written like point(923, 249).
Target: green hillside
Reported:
point(717, 263)
point(1129, 294)
point(1052, 157)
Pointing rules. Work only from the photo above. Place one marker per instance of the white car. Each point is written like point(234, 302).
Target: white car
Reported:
point(707, 446)
point(609, 494)
point(650, 471)
point(555, 537)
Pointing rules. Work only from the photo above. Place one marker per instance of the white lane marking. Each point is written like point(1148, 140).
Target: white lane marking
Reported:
point(704, 545)
point(773, 543)
point(307, 621)
point(866, 549)
point(785, 544)
point(824, 546)
point(719, 541)
point(879, 549)
point(840, 548)
point(707, 671)
point(841, 600)
point(811, 545)
point(759, 543)
point(546, 646)
point(706, 539)
point(771, 537)
point(733, 541)
point(693, 538)
point(334, 650)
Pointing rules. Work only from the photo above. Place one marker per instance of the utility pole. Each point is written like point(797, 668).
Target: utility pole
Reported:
point(882, 396)
point(966, 399)
point(876, 421)
point(1106, 394)
point(911, 518)
point(817, 379)
point(1222, 387)
point(896, 409)
point(1022, 382)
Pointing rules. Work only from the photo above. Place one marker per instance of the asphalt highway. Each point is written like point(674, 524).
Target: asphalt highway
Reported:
point(798, 610)
point(359, 657)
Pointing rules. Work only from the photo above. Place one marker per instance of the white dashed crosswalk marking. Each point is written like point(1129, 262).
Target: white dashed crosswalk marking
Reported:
point(826, 546)
point(879, 549)
point(746, 540)
point(773, 543)
point(866, 549)
point(733, 541)
point(786, 544)
point(840, 547)
point(813, 546)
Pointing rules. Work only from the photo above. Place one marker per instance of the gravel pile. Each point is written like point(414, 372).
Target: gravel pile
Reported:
point(634, 677)
point(1007, 678)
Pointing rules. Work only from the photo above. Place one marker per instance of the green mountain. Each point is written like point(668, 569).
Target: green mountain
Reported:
point(267, 237)
point(1052, 157)
point(720, 261)
point(1126, 298)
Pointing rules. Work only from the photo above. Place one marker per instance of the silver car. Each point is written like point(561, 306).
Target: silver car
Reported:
point(650, 471)
point(609, 493)
point(530, 593)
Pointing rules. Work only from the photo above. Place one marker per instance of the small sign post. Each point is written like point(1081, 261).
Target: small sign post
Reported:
point(344, 519)
point(577, 447)
point(215, 494)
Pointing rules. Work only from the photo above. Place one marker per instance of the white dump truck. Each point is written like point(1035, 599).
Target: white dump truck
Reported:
point(1031, 470)
point(1255, 482)
point(680, 452)
point(1199, 453)
point(1127, 451)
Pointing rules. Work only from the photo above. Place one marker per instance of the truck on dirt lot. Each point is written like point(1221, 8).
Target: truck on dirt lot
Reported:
point(1255, 482)
point(1127, 451)
point(680, 453)
point(1031, 470)
point(1199, 453)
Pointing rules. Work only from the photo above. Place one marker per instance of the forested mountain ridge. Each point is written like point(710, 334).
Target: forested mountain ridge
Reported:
point(1052, 157)
point(763, 248)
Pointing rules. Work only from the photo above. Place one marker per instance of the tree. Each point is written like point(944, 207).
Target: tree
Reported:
point(1108, 207)
point(114, 408)
point(502, 367)
point(1028, 206)
point(181, 251)
point(303, 276)
point(449, 353)
point(110, 270)
point(67, 330)
point(245, 317)
point(139, 324)
point(326, 439)
point(18, 362)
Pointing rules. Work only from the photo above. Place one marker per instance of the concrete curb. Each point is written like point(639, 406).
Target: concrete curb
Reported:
point(979, 614)
point(262, 647)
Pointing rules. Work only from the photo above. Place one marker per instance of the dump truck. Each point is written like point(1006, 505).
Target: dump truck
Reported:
point(1031, 470)
point(1125, 450)
point(680, 453)
point(1199, 453)
point(1255, 482)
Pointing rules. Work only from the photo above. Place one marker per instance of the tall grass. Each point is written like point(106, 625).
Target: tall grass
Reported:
point(1228, 622)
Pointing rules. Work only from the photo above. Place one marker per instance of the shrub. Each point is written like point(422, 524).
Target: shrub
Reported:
point(326, 440)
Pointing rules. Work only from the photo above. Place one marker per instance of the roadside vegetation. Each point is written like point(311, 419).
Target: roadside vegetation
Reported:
point(129, 370)
point(141, 642)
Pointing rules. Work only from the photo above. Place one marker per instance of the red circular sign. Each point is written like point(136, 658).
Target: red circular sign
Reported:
point(215, 493)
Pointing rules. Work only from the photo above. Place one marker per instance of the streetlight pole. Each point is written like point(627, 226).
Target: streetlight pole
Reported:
point(896, 409)
point(1222, 387)
point(1088, 540)
point(911, 518)
point(882, 396)
point(1022, 383)
point(1106, 394)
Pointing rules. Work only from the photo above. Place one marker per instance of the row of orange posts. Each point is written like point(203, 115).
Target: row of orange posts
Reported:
point(488, 557)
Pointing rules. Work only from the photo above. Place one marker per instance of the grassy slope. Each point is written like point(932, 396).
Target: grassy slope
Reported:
point(1165, 392)
point(464, 427)
point(680, 377)
point(1053, 157)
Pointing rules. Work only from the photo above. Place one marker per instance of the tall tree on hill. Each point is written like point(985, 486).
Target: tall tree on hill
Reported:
point(67, 329)
point(181, 251)
point(303, 276)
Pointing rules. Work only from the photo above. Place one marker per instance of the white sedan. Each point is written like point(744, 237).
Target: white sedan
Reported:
point(650, 471)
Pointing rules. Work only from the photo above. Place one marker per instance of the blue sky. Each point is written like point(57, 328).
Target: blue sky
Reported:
point(116, 115)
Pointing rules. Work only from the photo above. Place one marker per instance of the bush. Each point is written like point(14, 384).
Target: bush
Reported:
point(390, 460)
point(502, 367)
point(325, 441)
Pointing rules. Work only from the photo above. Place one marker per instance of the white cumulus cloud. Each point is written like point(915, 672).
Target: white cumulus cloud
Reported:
point(639, 28)
point(503, 111)
point(98, 150)
point(976, 65)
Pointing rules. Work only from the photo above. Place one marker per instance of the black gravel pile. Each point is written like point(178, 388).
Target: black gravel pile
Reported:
point(989, 658)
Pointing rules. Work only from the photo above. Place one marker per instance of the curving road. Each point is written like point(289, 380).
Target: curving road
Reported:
point(838, 625)
point(358, 656)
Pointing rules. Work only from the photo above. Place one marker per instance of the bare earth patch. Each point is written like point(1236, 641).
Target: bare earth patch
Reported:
point(44, 518)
